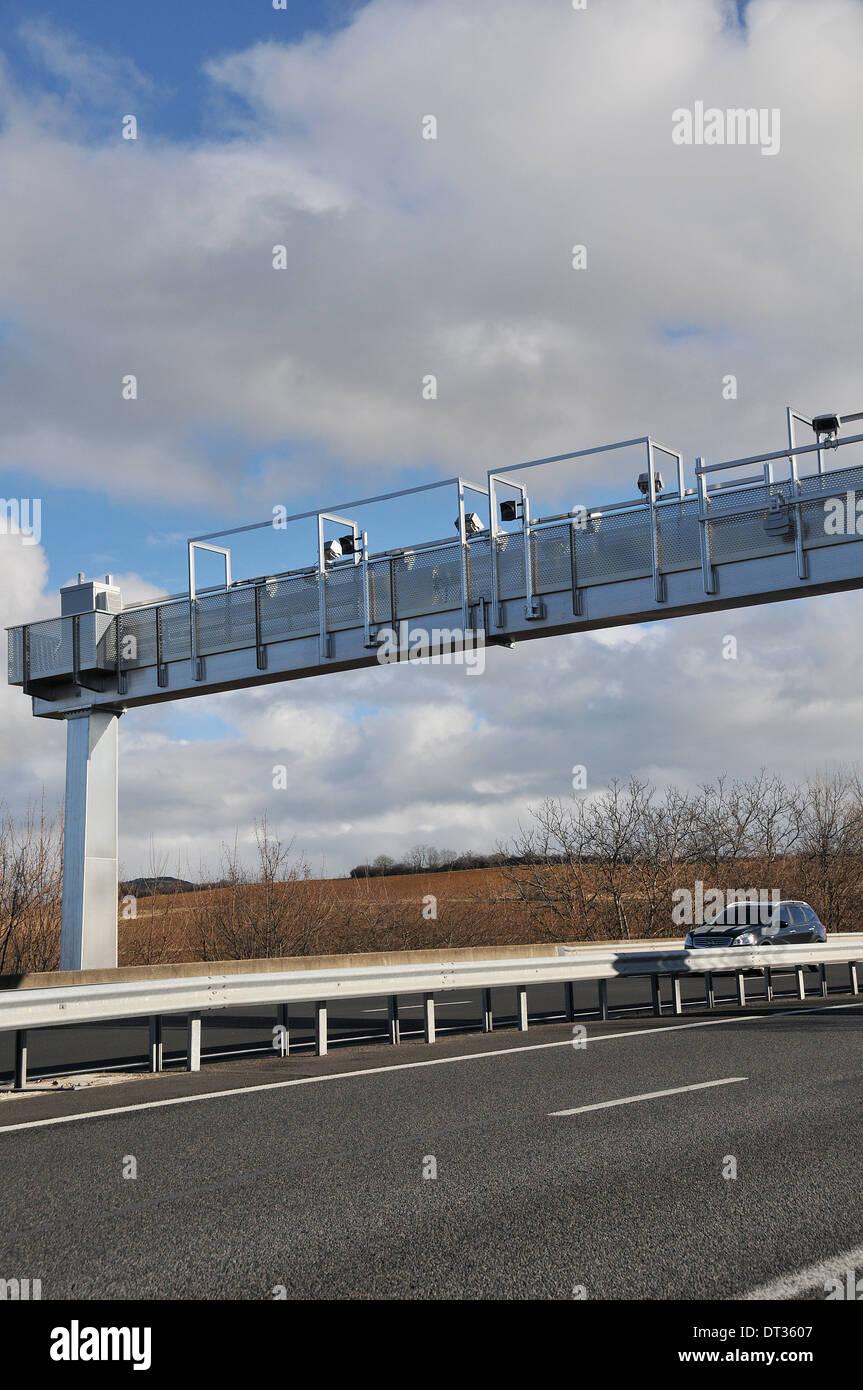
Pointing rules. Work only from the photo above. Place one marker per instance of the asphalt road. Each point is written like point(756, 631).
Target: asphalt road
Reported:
point(308, 1173)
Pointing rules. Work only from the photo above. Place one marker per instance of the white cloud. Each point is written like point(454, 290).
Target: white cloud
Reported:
point(408, 256)
point(90, 72)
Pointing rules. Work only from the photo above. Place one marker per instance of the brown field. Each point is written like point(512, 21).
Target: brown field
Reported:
point(319, 916)
point(474, 907)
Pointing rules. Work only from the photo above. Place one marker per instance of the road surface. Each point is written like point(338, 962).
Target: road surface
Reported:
point(599, 1171)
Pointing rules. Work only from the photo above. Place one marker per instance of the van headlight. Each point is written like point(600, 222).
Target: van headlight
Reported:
point(748, 938)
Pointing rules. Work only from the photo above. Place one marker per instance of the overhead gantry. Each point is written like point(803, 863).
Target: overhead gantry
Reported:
point(669, 552)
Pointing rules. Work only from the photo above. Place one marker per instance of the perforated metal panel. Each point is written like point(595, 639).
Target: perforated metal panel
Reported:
point(289, 608)
point(754, 498)
point(345, 598)
point(51, 652)
point(176, 642)
point(832, 484)
point(15, 655)
point(137, 637)
point(98, 642)
point(427, 582)
point(831, 517)
point(832, 527)
point(677, 529)
point(742, 537)
point(745, 537)
point(52, 647)
point(509, 549)
point(226, 622)
point(479, 570)
point(619, 548)
point(551, 559)
point(380, 592)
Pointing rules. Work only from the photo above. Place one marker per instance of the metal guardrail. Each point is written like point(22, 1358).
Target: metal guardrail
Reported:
point(29, 1007)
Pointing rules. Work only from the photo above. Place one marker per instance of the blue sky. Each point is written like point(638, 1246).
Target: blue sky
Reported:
point(169, 42)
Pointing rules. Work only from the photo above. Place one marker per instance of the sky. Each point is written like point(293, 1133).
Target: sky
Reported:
point(405, 256)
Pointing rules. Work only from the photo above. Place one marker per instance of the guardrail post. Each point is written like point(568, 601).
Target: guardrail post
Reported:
point(20, 1059)
point(603, 999)
point(321, 1029)
point(428, 1017)
point(801, 982)
point(487, 1015)
point(656, 995)
point(393, 1019)
point(155, 1043)
point(709, 993)
point(284, 1030)
point(676, 1002)
point(852, 976)
point(822, 980)
point(522, 1008)
point(569, 1000)
point(768, 984)
point(741, 988)
point(193, 1044)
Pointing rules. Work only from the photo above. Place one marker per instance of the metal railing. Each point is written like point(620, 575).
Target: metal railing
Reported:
point(649, 501)
point(782, 500)
point(148, 993)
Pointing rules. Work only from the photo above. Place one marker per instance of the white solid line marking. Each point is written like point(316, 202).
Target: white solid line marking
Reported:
point(790, 1285)
point(406, 1008)
point(648, 1095)
point(413, 1066)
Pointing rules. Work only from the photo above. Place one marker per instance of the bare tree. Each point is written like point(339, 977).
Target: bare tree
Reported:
point(277, 909)
point(831, 848)
point(556, 882)
point(31, 871)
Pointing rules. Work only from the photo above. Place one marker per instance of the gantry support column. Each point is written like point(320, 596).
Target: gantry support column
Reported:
point(88, 937)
